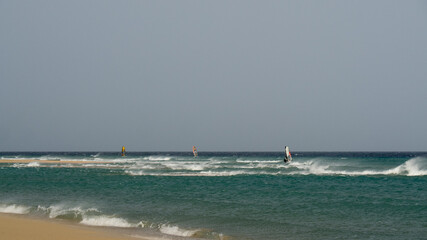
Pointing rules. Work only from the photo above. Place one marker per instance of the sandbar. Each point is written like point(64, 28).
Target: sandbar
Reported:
point(51, 161)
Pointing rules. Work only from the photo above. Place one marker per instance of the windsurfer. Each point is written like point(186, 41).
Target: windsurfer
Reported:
point(194, 151)
point(288, 156)
point(123, 151)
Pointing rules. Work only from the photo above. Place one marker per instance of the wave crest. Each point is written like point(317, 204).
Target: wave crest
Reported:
point(106, 221)
point(413, 167)
point(176, 231)
point(14, 208)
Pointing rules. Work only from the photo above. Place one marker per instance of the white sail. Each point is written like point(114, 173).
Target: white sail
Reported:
point(288, 156)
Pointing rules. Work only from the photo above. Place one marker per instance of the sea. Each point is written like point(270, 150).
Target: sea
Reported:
point(225, 195)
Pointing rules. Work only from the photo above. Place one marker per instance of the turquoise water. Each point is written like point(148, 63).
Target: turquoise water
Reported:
point(226, 195)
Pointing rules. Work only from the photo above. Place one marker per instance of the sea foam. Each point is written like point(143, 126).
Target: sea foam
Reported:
point(176, 231)
point(157, 158)
point(33, 164)
point(13, 208)
point(62, 211)
point(413, 167)
point(107, 221)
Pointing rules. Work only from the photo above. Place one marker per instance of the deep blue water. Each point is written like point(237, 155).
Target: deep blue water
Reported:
point(240, 195)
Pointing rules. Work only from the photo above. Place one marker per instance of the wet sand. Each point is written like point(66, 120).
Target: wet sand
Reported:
point(19, 227)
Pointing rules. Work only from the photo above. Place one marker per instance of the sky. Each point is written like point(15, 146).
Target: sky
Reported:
point(221, 75)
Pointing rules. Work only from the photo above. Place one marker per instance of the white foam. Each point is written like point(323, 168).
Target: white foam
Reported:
point(326, 168)
point(157, 158)
point(99, 165)
point(319, 168)
point(198, 174)
point(185, 166)
point(18, 165)
point(413, 167)
point(140, 224)
point(121, 160)
point(136, 173)
point(47, 157)
point(59, 210)
point(144, 166)
point(13, 208)
point(257, 161)
point(227, 173)
point(11, 158)
point(33, 164)
point(106, 221)
point(176, 231)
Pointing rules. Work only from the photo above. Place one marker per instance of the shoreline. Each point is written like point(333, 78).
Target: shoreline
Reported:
point(24, 227)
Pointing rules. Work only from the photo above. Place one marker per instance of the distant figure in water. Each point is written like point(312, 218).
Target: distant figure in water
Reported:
point(123, 151)
point(288, 156)
point(195, 151)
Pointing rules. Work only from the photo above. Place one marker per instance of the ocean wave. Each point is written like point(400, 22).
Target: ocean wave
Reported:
point(157, 158)
point(64, 212)
point(94, 217)
point(10, 157)
point(240, 160)
point(14, 208)
point(33, 164)
point(412, 167)
point(164, 165)
point(135, 173)
point(106, 221)
point(144, 166)
point(185, 166)
point(87, 216)
point(200, 174)
point(122, 160)
point(176, 231)
point(47, 157)
point(95, 165)
point(21, 165)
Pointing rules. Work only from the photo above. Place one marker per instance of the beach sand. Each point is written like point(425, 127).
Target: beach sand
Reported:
point(18, 227)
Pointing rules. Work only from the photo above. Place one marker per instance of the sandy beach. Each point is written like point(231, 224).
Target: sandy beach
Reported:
point(18, 227)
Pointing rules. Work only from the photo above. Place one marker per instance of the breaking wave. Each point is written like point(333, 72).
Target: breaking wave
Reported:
point(86, 216)
point(106, 221)
point(232, 165)
point(21, 165)
point(157, 158)
point(94, 217)
point(14, 208)
point(176, 231)
point(412, 167)
point(33, 164)
point(64, 212)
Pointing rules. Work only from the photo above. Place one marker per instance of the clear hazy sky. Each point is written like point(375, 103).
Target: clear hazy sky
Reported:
point(221, 75)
